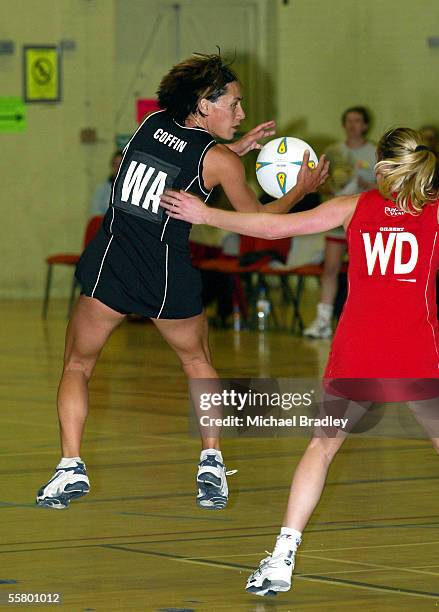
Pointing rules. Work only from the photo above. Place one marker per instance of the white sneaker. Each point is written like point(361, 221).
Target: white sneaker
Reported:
point(66, 484)
point(318, 329)
point(274, 572)
point(213, 492)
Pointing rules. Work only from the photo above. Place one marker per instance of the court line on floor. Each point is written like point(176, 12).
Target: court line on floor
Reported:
point(174, 516)
point(171, 441)
point(414, 569)
point(374, 546)
point(298, 574)
point(100, 449)
point(272, 533)
point(168, 440)
point(226, 532)
point(307, 577)
point(185, 540)
point(127, 395)
point(169, 437)
point(367, 564)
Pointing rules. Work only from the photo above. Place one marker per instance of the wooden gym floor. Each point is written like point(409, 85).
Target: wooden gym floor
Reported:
point(138, 542)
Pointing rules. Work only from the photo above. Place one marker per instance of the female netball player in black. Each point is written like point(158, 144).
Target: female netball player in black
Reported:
point(140, 262)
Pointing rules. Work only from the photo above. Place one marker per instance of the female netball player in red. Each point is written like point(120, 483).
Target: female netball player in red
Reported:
point(392, 236)
point(140, 262)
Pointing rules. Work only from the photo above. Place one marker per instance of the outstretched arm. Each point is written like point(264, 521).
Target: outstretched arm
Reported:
point(333, 213)
point(222, 167)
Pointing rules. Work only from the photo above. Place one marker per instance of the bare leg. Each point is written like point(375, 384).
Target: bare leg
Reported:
point(189, 339)
point(274, 572)
point(309, 480)
point(334, 252)
point(310, 474)
point(89, 328)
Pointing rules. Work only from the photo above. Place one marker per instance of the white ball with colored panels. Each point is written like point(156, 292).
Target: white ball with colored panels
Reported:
point(279, 162)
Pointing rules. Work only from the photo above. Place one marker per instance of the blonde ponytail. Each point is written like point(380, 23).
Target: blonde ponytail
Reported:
point(406, 170)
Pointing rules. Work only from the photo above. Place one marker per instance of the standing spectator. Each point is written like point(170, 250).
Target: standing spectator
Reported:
point(351, 171)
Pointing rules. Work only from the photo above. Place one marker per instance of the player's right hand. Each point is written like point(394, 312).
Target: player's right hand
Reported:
point(310, 179)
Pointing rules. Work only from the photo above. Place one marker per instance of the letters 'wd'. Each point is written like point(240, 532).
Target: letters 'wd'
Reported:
point(383, 253)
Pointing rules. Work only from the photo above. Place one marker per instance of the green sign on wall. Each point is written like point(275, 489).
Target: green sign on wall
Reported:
point(12, 114)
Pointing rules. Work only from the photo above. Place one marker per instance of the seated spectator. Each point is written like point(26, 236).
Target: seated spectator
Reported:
point(102, 195)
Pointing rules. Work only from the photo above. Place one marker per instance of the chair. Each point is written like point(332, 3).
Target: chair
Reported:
point(302, 273)
point(231, 265)
point(212, 259)
point(69, 259)
point(294, 296)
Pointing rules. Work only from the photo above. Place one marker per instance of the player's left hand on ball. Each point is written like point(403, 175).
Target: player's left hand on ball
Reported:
point(250, 141)
point(184, 206)
point(310, 179)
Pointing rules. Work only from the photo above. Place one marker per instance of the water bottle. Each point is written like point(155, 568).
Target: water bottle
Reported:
point(236, 318)
point(262, 309)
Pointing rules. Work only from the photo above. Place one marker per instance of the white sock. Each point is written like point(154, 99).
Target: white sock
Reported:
point(211, 451)
point(324, 312)
point(68, 461)
point(289, 539)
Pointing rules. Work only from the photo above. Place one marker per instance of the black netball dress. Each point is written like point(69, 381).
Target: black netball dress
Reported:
point(140, 262)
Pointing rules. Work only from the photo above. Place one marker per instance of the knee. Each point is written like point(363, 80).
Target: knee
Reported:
point(326, 448)
point(79, 365)
point(192, 363)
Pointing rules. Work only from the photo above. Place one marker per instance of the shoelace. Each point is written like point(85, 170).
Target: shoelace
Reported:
point(263, 563)
point(227, 472)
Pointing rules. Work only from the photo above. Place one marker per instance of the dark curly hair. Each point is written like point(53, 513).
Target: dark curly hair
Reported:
point(200, 76)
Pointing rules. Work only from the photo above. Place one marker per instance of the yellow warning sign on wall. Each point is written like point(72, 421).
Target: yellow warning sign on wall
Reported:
point(42, 73)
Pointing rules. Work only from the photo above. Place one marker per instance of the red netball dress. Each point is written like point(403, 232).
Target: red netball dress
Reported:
point(389, 327)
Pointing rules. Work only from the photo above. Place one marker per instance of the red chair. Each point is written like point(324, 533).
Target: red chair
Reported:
point(250, 245)
point(231, 265)
point(202, 252)
point(302, 273)
point(69, 259)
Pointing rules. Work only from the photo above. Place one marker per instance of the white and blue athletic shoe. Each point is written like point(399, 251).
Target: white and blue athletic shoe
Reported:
point(213, 492)
point(274, 572)
point(66, 484)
